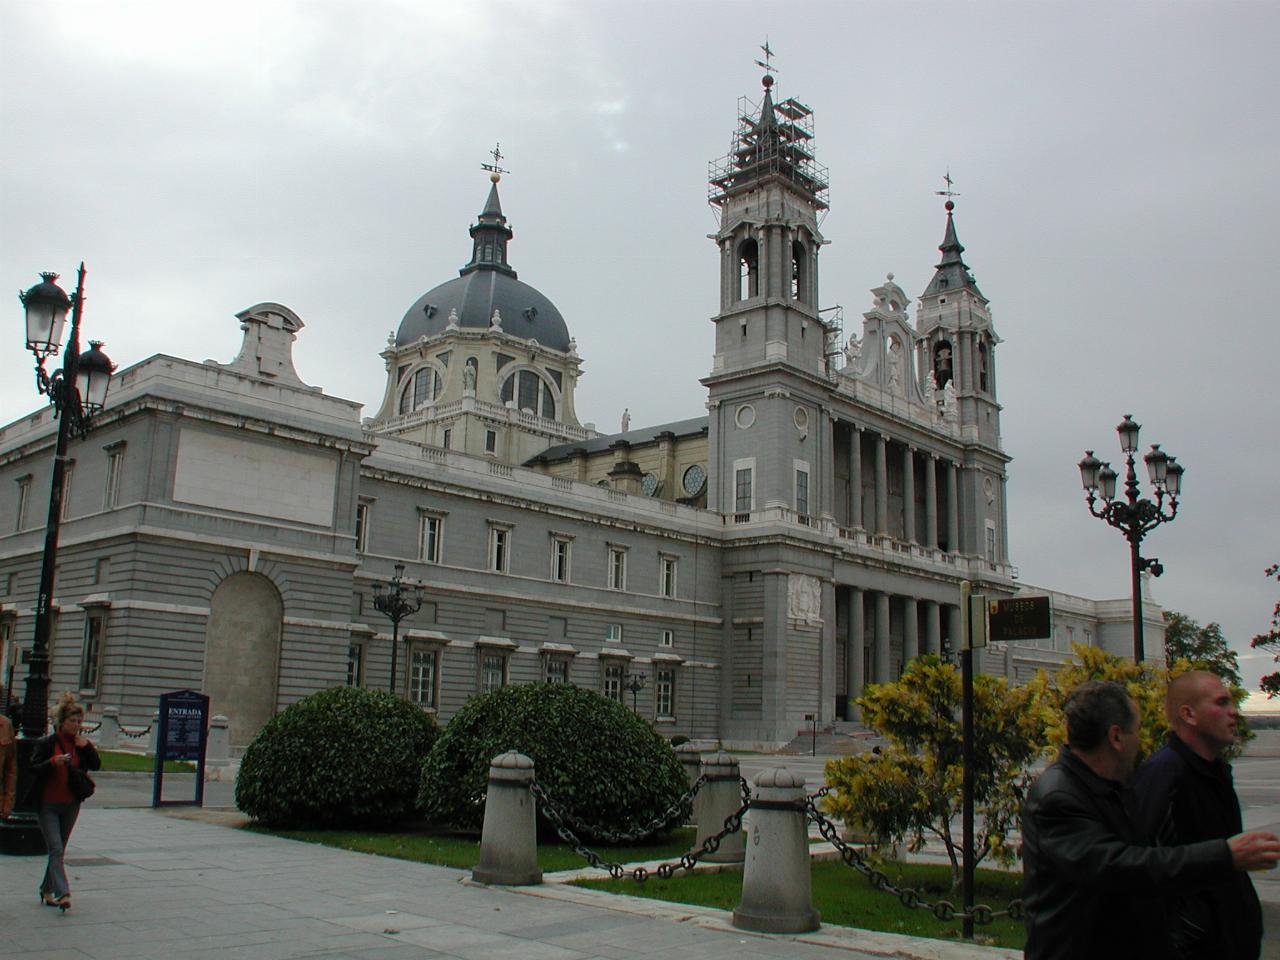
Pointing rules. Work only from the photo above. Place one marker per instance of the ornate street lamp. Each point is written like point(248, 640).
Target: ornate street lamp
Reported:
point(1135, 517)
point(635, 683)
point(395, 602)
point(77, 392)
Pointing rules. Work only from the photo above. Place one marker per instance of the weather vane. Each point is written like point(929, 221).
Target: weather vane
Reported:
point(767, 63)
point(948, 193)
point(494, 169)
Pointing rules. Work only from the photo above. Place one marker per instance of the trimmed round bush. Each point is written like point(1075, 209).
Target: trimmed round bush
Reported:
point(341, 757)
point(596, 758)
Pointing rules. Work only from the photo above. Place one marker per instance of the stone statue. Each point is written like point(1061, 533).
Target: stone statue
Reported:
point(626, 419)
point(950, 408)
point(495, 322)
point(930, 390)
point(453, 318)
point(853, 354)
point(469, 378)
point(804, 598)
point(894, 371)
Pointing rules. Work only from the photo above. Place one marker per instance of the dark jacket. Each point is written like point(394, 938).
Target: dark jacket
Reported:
point(42, 765)
point(1090, 887)
point(1179, 798)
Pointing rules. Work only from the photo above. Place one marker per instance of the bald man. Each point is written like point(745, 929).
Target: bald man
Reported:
point(1184, 793)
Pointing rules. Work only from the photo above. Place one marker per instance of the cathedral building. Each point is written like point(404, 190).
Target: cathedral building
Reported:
point(226, 525)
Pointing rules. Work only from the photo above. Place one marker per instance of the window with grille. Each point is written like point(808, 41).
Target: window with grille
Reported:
point(423, 665)
point(557, 670)
point(613, 681)
point(665, 692)
point(493, 671)
point(95, 622)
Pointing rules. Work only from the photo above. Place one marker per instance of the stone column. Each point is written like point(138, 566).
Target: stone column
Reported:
point(777, 888)
point(509, 838)
point(953, 510)
point(908, 494)
point(932, 627)
point(953, 629)
point(882, 665)
point(855, 663)
point(930, 501)
point(855, 477)
point(910, 630)
point(882, 486)
point(719, 798)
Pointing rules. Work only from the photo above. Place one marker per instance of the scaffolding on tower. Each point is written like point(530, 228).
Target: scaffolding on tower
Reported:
point(764, 146)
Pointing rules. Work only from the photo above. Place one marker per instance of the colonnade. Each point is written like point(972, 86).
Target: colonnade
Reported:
point(939, 499)
point(869, 653)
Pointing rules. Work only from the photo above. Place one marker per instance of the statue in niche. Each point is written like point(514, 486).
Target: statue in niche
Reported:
point(469, 377)
point(950, 408)
point(853, 354)
point(626, 419)
point(930, 390)
point(894, 371)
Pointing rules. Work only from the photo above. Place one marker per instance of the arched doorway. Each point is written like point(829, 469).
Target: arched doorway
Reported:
point(242, 653)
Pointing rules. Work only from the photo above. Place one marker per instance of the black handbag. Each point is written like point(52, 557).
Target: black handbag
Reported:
point(80, 784)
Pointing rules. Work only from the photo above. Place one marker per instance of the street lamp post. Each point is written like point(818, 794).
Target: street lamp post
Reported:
point(635, 683)
point(1135, 517)
point(395, 602)
point(77, 392)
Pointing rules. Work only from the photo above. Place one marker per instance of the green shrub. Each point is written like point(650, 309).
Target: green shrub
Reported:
point(595, 757)
point(340, 757)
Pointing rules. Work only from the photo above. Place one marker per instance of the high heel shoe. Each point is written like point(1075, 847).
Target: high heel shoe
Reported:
point(64, 903)
point(47, 899)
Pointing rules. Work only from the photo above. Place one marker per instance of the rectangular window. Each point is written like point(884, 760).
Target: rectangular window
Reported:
point(802, 491)
point(557, 670)
point(493, 671)
point(448, 438)
point(991, 542)
point(667, 638)
point(355, 664)
point(617, 568)
point(742, 490)
point(95, 622)
point(20, 513)
point(490, 441)
point(668, 575)
point(499, 549)
point(423, 666)
point(613, 633)
point(560, 549)
point(613, 681)
point(665, 692)
point(429, 530)
point(362, 527)
point(111, 492)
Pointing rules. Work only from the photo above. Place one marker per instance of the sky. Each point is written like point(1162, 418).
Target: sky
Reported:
point(1111, 162)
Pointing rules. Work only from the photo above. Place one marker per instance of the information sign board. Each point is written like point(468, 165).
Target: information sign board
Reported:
point(1020, 618)
point(183, 736)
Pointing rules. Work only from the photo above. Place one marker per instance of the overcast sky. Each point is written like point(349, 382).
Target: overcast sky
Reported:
point(1111, 161)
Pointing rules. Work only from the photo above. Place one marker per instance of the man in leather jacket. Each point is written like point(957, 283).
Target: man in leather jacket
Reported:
point(1090, 886)
point(1184, 794)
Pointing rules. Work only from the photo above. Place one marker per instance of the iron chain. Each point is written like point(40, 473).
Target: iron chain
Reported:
point(135, 734)
point(909, 897)
point(557, 816)
point(674, 814)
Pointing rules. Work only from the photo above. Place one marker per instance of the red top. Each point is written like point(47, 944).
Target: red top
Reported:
point(56, 789)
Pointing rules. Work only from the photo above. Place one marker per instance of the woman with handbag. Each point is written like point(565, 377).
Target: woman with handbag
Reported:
point(59, 764)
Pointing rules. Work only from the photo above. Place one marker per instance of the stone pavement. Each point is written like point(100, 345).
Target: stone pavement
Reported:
point(150, 885)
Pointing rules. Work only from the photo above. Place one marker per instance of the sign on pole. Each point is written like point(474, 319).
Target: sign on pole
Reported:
point(1020, 618)
point(183, 735)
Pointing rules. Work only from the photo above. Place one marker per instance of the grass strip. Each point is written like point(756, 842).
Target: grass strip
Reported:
point(118, 761)
point(845, 898)
point(464, 852)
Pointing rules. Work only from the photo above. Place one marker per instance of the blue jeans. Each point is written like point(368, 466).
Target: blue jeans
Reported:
point(56, 821)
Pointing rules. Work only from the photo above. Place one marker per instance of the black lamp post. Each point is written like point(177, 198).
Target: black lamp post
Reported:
point(1134, 516)
point(635, 683)
point(395, 602)
point(77, 392)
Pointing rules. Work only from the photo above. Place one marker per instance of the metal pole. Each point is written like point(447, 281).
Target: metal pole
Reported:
point(1135, 565)
point(966, 790)
point(395, 646)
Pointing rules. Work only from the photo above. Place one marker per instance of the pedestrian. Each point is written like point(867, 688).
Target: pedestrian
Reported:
point(1185, 794)
point(1090, 885)
point(8, 767)
point(60, 781)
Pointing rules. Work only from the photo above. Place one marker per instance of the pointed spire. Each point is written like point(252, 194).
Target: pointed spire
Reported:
point(489, 235)
point(493, 206)
point(952, 273)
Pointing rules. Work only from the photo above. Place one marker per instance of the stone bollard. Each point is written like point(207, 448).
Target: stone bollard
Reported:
point(777, 891)
point(720, 797)
point(153, 744)
point(109, 732)
point(218, 748)
point(509, 841)
point(691, 759)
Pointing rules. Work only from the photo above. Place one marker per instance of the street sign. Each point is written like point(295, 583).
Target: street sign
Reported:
point(1020, 618)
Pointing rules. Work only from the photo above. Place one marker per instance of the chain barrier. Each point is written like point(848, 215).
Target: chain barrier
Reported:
point(746, 789)
point(826, 789)
point(909, 897)
point(135, 734)
point(559, 817)
point(91, 727)
point(674, 815)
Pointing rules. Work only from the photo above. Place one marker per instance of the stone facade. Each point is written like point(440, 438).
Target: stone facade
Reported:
point(225, 525)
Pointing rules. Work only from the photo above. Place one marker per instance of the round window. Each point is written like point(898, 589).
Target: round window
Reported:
point(695, 478)
point(649, 485)
point(801, 418)
point(745, 416)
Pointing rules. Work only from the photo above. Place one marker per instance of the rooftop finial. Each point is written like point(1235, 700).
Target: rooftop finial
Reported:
point(495, 171)
point(948, 193)
point(767, 65)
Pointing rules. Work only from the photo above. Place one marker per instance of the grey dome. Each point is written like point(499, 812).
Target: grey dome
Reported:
point(525, 312)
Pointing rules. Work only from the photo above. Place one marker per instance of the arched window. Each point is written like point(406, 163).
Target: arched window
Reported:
point(799, 272)
point(748, 269)
point(423, 388)
point(942, 363)
point(982, 365)
point(530, 392)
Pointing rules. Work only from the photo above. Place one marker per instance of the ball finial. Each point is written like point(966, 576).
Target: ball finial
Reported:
point(495, 177)
point(766, 81)
point(949, 205)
